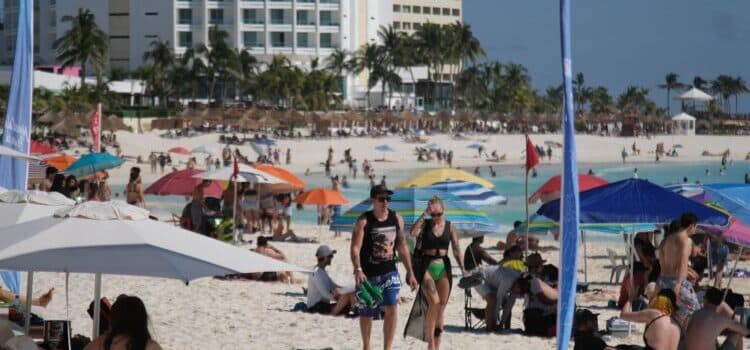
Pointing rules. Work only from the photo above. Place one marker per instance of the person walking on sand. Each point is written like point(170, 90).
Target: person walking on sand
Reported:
point(624, 155)
point(549, 153)
point(674, 255)
point(152, 162)
point(433, 268)
point(378, 234)
point(288, 156)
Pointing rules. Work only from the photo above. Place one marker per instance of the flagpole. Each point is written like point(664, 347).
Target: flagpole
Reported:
point(526, 203)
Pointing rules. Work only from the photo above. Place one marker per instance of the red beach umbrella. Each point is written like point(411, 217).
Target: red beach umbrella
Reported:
point(40, 148)
point(179, 150)
point(182, 183)
point(551, 189)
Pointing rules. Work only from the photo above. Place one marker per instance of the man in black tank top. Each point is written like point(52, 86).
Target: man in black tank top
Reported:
point(378, 234)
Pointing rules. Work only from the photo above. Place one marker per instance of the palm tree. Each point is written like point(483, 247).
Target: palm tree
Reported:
point(162, 60)
point(601, 101)
point(367, 59)
point(699, 83)
point(671, 82)
point(724, 85)
point(84, 43)
point(218, 57)
point(191, 70)
point(633, 97)
point(581, 93)
point(468, 46)
point(430, 43)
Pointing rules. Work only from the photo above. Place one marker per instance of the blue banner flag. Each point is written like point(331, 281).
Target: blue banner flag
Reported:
point(17, 128)
point(569, 196)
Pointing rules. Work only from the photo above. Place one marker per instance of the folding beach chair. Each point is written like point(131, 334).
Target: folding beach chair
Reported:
point(471, 313)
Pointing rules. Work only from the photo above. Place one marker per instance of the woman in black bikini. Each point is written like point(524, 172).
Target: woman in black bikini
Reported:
point(432, 269)
point(662, 331)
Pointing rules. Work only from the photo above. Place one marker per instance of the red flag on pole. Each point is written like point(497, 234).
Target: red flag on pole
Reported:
point(236, 171)
point(96, 128)
point(532, 158)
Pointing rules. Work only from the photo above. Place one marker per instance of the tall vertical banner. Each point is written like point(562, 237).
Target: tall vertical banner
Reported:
point(569, 206)
point(17, 128)
point(96, 128)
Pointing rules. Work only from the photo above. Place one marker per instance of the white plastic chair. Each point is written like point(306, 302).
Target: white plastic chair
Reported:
point(616, 269)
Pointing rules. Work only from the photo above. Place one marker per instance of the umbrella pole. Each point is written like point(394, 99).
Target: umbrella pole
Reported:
point(27, 309)
point(97, 304)
point(526, 203)
point(235, 229)
point(585, 258)
point(630, 261)
point(734, 269)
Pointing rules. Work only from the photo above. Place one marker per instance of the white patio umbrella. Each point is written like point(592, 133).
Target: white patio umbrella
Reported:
point(22, 206)
point(695, 94)
point(122, 240)
point(7, 151)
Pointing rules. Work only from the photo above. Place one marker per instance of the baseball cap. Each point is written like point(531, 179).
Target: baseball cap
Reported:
point(378, 190)
point(324, 251)
point(584, 315)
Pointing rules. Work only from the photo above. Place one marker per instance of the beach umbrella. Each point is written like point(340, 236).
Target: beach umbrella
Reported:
point(635, 201)
point(475, 146)
point(411, 202)
point(9, 152)
point(182, 183)
point(265, 142)
point(433, 146)
point(114, 123)
point(179, 150)
point(551, 189)
point(734, 198)
point(293, 182)
point(49, 117)
point(430, 177)
point(61, 162)
point(321, 196)
point(385, 148)
point(92, 163)
point(246, 174)
point(211, 149)
point(122, 240)
point(40, 148)
point(472, 193)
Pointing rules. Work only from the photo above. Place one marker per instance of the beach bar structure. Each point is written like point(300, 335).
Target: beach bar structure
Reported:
point(683, 124)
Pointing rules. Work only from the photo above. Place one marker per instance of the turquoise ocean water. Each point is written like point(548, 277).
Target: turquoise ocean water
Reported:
point(509, 183)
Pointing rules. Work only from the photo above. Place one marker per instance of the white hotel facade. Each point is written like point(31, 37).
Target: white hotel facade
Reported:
point(300, 29)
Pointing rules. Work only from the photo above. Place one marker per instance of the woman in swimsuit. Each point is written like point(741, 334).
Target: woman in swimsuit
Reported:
point(662, 331)
point(433, 267)
point(134, 191)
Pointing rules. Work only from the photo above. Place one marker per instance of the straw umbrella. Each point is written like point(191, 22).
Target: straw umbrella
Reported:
point(64, 127)
point(49, 117)
point(114, 123)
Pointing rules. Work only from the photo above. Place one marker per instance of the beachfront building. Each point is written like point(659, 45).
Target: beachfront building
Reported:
point(300, 29)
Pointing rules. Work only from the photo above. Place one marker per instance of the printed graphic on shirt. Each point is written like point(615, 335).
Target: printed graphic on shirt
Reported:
point(383, 242)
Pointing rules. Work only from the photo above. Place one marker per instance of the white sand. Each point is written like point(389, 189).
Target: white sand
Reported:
point(213, 314)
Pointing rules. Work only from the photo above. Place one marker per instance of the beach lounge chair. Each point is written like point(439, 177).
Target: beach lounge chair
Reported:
point(616, 269)
point(471, 313)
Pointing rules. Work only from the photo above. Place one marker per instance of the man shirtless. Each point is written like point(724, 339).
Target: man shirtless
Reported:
point(675, 252)
point(708, 323)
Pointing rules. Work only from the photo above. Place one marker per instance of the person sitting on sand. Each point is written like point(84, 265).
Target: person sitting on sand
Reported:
point(707, 324)
point(540, 314)
point(128, 328)
point(662, 331)
point(586, 331)
point(516, 238)
point(263, 248)
point(323, 294)
point(475, 255)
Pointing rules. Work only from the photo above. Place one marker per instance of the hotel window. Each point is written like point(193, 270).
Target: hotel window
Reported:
point(279, 39)
point(185, 39)
point(417, 25)
point(446, 12)
point(456, 12)
point(250, 16)
point(407, 26)
point(396, 25)
point(303, 18)
point(435, 10)
point(446, 77)
point(216, 16)
point(250, 39)
point(417, 9)
point(303, 40)
point(396, 8)
point(406, 9)
point(326, 18)
point(277, 16)
point(326, 41)
point(185, 16)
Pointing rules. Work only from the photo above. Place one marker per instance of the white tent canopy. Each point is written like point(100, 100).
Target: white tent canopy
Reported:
point(683, 124)
point(695, 94)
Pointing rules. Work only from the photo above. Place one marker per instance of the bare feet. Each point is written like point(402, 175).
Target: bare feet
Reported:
point(44, 300)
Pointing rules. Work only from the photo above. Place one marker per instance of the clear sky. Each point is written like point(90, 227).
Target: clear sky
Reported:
point(620, 43)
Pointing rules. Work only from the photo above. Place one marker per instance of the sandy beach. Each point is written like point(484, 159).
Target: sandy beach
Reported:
point(216, 314)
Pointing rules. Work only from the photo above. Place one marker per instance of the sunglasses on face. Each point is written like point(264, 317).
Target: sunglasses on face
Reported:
point(436, 215)
point(383, 199)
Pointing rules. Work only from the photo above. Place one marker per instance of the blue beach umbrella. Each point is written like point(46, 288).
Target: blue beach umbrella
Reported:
point(385, 148)
point(433, 146)
point(472, 193)
point(411, 203)
point(474, 146)
point(265, 142)
point(92, 163)
point(734, 198)
point(634, 201)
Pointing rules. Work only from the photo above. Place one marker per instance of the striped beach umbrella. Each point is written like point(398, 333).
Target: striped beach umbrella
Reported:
point(411, 203)
point(472, 193)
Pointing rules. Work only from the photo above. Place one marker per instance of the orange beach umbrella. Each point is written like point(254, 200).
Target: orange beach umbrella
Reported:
point(60, 162)
point(321, 196)
point(282, 174)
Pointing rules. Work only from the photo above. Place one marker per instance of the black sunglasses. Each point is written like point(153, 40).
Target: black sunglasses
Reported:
point(436, 215)
point(383, 199)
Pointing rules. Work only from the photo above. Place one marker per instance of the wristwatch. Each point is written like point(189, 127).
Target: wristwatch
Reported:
point(359, 269)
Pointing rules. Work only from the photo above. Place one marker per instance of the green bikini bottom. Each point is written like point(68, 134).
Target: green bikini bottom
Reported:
point(436, 269)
